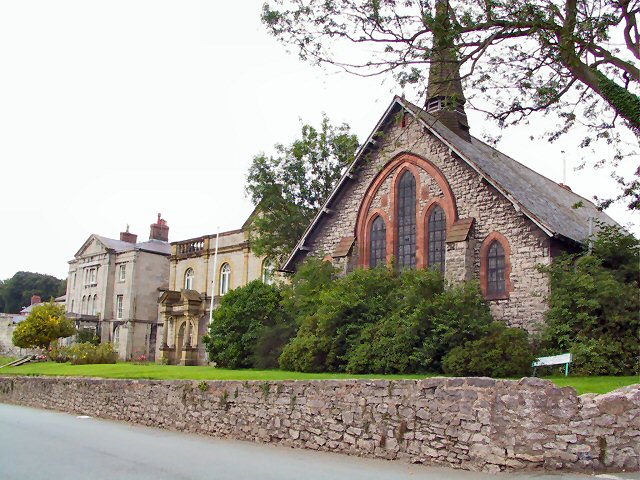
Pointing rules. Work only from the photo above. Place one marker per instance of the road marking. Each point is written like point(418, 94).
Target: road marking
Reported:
point(83, 416)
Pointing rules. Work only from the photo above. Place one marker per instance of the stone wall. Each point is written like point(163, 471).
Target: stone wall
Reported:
point(471, 423)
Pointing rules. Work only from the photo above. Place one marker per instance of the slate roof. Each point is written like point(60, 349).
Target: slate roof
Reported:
point(541, 199)
point(152, 246)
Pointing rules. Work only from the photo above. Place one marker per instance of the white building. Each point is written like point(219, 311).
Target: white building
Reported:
point(114, 285)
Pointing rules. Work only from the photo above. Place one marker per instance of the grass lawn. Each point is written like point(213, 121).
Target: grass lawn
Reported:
point(174, 372)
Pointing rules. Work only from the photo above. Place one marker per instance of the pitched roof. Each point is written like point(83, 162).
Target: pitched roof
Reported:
point(542, 200)
point(151, 246)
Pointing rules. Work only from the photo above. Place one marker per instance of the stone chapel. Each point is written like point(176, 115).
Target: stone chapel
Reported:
point(424, 193)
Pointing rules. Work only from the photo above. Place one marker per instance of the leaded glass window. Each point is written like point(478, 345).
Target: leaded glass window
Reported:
point(407, 221)
point(496, 269)
point(378, 243)
point(437, 236)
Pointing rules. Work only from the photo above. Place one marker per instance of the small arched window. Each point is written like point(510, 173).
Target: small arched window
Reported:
point(407, 221)
point(268, 270)
point(116, 334)
point(225, 278)
point(496, 268)
point(188, 279)
point(378, 243)
point(437, 233)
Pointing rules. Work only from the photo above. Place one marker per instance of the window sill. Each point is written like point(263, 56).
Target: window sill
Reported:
point(497, 296)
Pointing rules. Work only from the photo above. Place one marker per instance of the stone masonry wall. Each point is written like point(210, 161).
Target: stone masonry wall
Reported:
point(472, 423)
point(474, 198)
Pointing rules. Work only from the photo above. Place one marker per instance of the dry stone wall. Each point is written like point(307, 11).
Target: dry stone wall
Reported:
point(472, 423)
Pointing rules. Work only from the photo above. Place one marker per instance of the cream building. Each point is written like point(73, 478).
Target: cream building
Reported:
point(185, 307)
point(114, 285)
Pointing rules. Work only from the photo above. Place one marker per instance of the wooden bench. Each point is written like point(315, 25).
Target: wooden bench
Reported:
point(564, 359)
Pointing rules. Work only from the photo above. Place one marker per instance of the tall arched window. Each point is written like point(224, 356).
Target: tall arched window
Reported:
point(437, 233)
point(225, 278)
point(90, 305)
point(188, 279)
point(268, 270)
point(83, 305)
point(95, 305)
point(406, 252)
point(496, 267)
point(378, 243)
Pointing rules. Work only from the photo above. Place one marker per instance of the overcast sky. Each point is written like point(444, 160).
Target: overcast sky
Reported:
point(111, 112)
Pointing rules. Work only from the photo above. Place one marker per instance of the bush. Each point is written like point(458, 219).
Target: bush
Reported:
point(86, 335)
point(381, 321)
point(46, 323)
point(84, 353)
point(504, 352)
point(594, 306)
point(249, 328)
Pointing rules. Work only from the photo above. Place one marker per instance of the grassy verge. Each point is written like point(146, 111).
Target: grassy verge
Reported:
point(174, 372)
point(5, 360)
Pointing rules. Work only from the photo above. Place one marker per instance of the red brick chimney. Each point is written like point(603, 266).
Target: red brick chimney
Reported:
point(35, 299)
point(128, 237)
point(159, 230)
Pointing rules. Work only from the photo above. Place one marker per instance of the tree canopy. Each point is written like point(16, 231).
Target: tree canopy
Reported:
point(46, 323)
point(291, 186)
point(576, 59)
point(16, 292)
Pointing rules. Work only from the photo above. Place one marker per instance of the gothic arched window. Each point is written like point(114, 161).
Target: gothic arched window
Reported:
point(406, 221)
point(188, 279)
point(378, 243)
point(437, 233)
point(496, 267)
point(225, 278)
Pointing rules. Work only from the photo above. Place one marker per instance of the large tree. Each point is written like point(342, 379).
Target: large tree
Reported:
point(292, 185)
point(576, 59)
point(16, 292)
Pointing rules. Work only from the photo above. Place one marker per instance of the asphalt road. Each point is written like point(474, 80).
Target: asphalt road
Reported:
point(40, 444)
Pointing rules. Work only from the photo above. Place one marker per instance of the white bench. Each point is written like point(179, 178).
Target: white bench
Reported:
point(564, 359)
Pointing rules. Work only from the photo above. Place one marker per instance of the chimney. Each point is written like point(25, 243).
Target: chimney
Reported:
point(128, 237)
point(35, 299)
point(445, 98)
point(159, 230)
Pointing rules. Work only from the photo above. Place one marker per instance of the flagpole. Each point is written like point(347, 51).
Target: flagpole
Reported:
point(213, 279)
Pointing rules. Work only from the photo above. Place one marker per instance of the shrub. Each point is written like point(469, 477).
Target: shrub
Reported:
point(46, 323)
point(381, 321)
point(84, 353)
point(249, 327)
point(504, 352)
point(87, 336)
point(594, 306)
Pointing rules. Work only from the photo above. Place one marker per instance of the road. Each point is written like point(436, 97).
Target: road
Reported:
point(40, 444)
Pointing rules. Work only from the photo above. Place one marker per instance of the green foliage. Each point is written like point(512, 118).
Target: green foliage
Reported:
point(595, 305)
point(249, 327)
point(16, 292)
point(84, 354)
point(87, 336)
point(382, 321)
point(291, 186)
point(46, 323)
point(503, 352)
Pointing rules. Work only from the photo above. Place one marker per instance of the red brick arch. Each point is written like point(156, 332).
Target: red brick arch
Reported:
point(396, 167)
